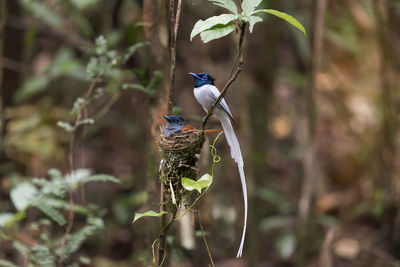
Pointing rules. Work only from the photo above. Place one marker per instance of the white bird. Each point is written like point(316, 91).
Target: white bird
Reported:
point(206, 94)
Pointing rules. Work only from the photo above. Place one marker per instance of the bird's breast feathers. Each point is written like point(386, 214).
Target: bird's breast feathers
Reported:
point(205, 96)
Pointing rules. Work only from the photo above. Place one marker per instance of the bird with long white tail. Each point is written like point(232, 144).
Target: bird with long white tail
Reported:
point(206, 94)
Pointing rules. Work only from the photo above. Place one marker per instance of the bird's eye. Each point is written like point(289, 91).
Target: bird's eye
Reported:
point(204, 78)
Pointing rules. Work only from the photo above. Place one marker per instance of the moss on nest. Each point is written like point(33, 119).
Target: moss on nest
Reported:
point(179, 155)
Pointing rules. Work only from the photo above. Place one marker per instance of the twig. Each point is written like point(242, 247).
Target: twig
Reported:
point(205, 240)
point(14, 65)
point(174, 20)
point(3, 12)
point(309, 159)
point(325, 256)
point(163, 240)
point(388, 130)
point(71, 161)
point(233, 76)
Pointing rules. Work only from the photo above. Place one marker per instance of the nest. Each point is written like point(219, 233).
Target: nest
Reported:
point(180, 140)
point(179, 155)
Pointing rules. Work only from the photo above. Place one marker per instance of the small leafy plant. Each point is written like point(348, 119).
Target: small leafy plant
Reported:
point(50, 196)
point(219, 26)
point(54, 197)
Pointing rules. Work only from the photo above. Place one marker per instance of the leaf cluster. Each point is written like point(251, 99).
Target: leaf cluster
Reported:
point(50, 197)
point(107, 65)
point(219, 26)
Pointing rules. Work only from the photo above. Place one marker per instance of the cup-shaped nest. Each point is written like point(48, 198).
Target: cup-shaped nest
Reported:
point(179, 155)
point(181, 140)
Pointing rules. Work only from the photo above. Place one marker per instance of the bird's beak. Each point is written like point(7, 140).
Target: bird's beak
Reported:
point(194, 75)
point(167, 118)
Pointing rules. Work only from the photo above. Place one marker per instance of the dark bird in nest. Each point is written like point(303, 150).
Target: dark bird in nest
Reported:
point(176, 124)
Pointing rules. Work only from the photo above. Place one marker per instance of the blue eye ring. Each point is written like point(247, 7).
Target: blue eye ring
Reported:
point(204, 78)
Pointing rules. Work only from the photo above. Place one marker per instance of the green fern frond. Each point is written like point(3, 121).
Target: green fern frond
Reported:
point(42, 256)
point(54, 214)
point(75, 240)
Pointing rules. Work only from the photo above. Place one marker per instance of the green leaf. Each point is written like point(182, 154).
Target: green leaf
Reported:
point(253, 20)
point(150, 88)
point(217, 32)
point(101, 178)
point(228, 4)
point(22, 195)
point(68, 127)
point(149, 213)
point(83, 176)
point(86, 121)
point(85, 260)
point(139, 87)
point(286, 245)
point(84, 4)
point(42, 11)
point(284, 16)
point(54, 214)
point(6, 263)
point(204, 182)
point(248, 6)
point(23, 249)
point(101, 45)
point(79, 103)
point(41, 255)
point(275, 223)
point(57, 186)
point(55, 173)
point(7, 221)
point(33, 85)
point(132, 50)
point(202, 25)
point(75, 240)
point(62, 204)
point(5, 218)
point(64, 63)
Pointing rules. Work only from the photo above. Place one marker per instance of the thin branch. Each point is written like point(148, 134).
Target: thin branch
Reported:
point(71, 161)
point(205, 240)
point(3, 13)
point(14, 65)
point(178, 17)
point(309, 159)
point(233, 76)
point(174, 21)
point(388, 130)
point(163, 240)
point(173, 56)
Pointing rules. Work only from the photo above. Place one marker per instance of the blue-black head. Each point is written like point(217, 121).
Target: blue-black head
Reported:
point(175, 120)
point(201, 79)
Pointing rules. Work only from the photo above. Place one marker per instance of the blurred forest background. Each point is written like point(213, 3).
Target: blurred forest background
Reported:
point(316, 116)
